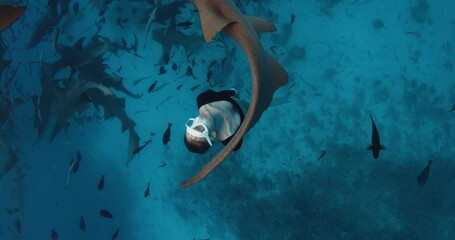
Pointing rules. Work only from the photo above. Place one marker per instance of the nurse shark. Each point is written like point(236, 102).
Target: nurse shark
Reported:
point(267, 74)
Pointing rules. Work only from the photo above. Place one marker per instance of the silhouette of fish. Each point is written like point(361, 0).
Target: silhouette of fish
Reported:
point(267, 74)
point(292, 18)
point(116, 233)
point(137, 150)
point(17, 225)
point(105, 213)
point(78, 160)
point(162, 165)
point(423, 177)
point(54, 234)
point(453, 108)
point(322, 154)
point(189, 72)
point(101, 183)
point(147, 191)
point(167, 134)
point(152, 86)
point(375, 146)
point(82, 223)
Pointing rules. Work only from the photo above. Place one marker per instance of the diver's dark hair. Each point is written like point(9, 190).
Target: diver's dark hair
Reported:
point(196, 144)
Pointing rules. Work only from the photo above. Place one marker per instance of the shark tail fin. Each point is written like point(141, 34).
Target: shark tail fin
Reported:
point(212, 21)
point(57, 128)
point(261, 25)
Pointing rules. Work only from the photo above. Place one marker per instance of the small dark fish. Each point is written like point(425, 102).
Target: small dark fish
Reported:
point(152, 86)
point(222, 62)
point(162, 70)
point(375, 146)
point(119, 69)
point(82, 223)
point(179, 86)
point(137, 81)
point(423, 177)
point(209, 75)
point(17, 224)
point(167, 134)
point(147, 191)
point(377, 24)
point(54, 235)
point(453, 108)
point(101, 183)
point(161, 87)
point(162, 165)
point(189, 72)
point(292, 18)
point(174, 66)
point(166, 58)
point(212, 63)
point(76, 7)
point(105, 213)
point(101, 12)
point(322, 154)
point(416, 34)
point(194, 87)
point(152, 134)
point(115, 235)
point(184, 24)
point(124, 43)
point(138, 149)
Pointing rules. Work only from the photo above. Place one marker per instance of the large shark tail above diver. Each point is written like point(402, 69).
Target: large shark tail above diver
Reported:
point(267, 74)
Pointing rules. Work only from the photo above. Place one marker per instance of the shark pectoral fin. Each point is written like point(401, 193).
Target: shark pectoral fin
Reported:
point(57, 128)
point(369, 147)
point(261, 25)
point(279, 75)
point(211, 21)
point(9, 14)
point(382, 147)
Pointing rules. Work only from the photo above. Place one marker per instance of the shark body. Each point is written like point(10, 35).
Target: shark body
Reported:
point(267, 74)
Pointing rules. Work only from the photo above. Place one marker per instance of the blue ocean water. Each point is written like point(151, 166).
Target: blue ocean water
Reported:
point(303, 171)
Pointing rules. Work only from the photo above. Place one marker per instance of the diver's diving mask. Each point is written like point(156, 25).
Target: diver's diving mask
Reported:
point(192, 123)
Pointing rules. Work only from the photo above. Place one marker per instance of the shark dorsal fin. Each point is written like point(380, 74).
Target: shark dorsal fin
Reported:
point(211, 21)
point(78, 46)
point(261, 25)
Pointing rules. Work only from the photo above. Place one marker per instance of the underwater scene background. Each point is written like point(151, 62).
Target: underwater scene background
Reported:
point(304, 171)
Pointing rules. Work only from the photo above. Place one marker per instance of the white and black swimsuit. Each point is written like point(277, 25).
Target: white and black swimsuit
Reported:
point(210, 96)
